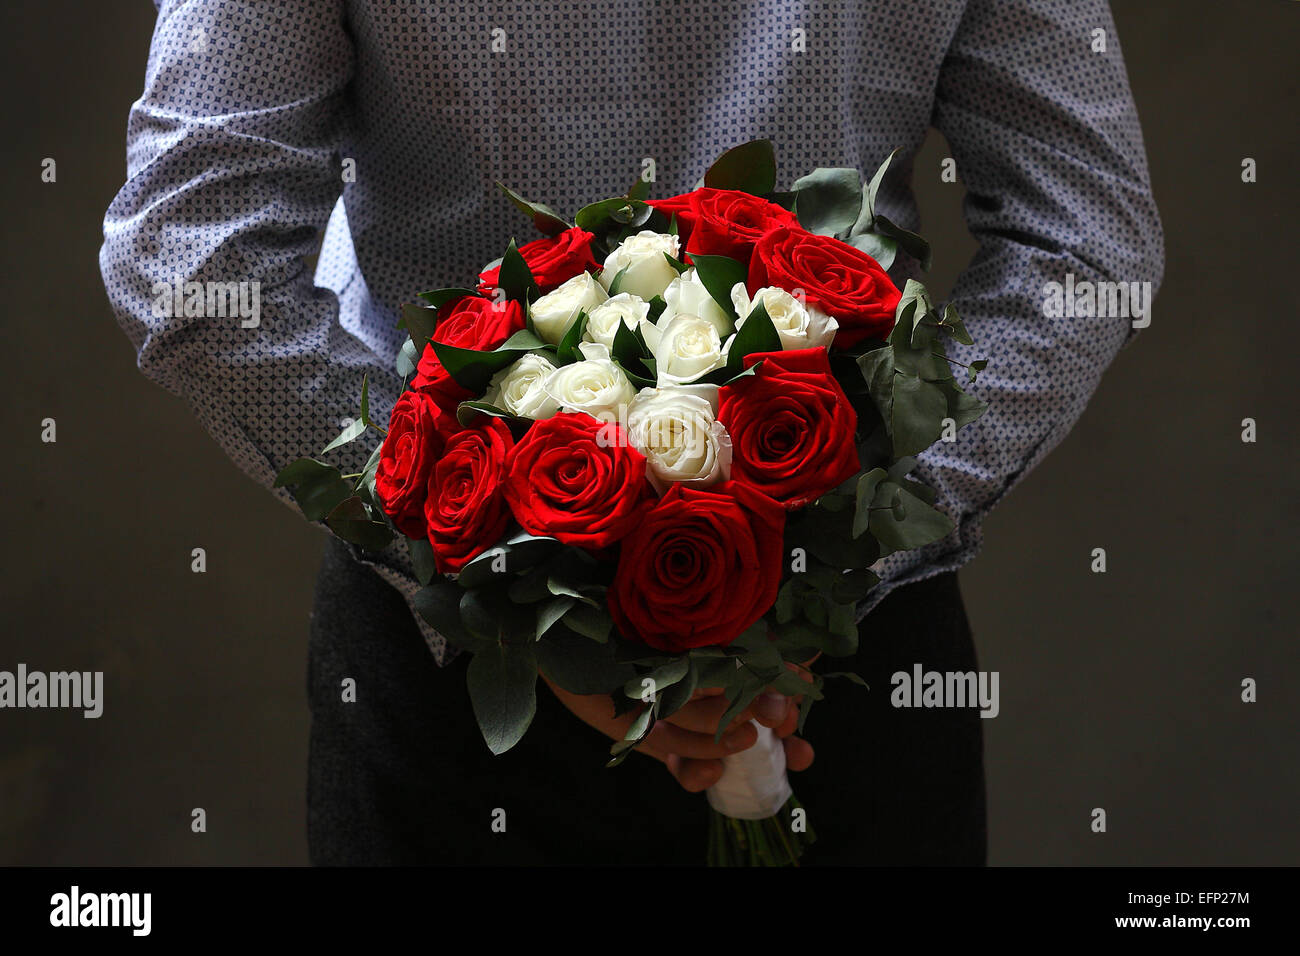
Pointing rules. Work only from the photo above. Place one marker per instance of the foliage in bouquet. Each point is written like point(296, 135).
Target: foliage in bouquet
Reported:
point(660, 448)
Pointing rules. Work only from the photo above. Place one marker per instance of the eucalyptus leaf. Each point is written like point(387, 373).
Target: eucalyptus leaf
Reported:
point(438, 603)
point(546, 219)
point(502, 681)
point(827, 200)
point(551, 612)
point(750, 167)
point(919, 409)
point(881, 248)
point(920, 525)
point(349, 434)
point(421, 552)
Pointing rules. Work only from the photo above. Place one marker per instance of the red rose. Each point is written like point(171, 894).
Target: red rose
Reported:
point(701, 567)
point(791, 426)
point(842, 281)
point(410, 448)
point(470, 322)
point(578, 480)
point(465, 510)
point(551, 260)
point(683, 207)
point(724, 222)
point(729, 222)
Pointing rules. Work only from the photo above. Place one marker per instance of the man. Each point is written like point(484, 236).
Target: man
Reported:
point(262, 123)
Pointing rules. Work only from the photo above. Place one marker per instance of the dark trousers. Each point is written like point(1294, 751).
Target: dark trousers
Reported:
point(402, 776)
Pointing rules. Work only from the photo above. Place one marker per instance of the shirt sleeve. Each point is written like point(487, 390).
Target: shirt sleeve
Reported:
point(233, 169)
point(1045, 135)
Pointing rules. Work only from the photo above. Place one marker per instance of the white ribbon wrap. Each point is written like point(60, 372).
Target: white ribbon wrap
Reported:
point(753, 785)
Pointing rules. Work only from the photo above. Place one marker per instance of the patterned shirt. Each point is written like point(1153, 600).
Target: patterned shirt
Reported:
point(386, 123)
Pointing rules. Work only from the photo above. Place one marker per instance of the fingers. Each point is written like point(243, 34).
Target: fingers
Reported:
point(694, 775)
point(798, 753)
point(703, 715)
point(791, 722)
point(670, 738)
point(770, 709)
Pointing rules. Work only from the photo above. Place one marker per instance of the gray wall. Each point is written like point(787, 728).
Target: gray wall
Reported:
point(1119, 690)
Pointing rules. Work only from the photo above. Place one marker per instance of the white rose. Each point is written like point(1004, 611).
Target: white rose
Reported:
point(520, 388)
point(686, 295)
point(800, 326)
point(554, 312)
point(684, 349)
point(648, 272)
point(677, 430)
point(596, 385)
point(604, 319)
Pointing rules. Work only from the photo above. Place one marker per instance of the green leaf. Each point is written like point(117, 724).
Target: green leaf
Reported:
point(521, 341)
point(439, 604)
point(677, 695)
point(546, 219)
point(662, 677)
point(468, 412)
point(593, 623)
point(880, 248)
point(617, 284)
point(419, 322)
point(756, 336)
point(351, 521)
point(551, 612)
point(580, 665)
point(920, 523)
point(750, 167)
point(909, 242)
point(828, 200)
point(628, 347)
point(956, 328)
point(487, 568)
point(918, 413)
point(365, 398)
point(963, 408)
point(677, 264)
point(866, 494)
point(868, 211)
point(740, 696)
point(421, 552)
point(502, 681)
point(639, 189)
point(440, 297)
point(349, 434)
point(515, 278)
point(407, 359)
point(828, 536)
point(608, 215)
point(975, 368)
point(567, 351)
point(472, 369)
point(304, 471)
point(317, 487)
point(718, 274)
point(488, 612)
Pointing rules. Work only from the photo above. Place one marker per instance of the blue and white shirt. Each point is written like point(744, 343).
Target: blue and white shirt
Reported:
point(386, 123)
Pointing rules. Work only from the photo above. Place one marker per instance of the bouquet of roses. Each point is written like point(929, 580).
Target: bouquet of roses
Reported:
point(658, 450)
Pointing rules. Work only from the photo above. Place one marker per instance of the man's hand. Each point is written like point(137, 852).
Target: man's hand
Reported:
point(684, 742)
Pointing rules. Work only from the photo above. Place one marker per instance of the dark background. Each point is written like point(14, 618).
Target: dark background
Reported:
point(1119, 690)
